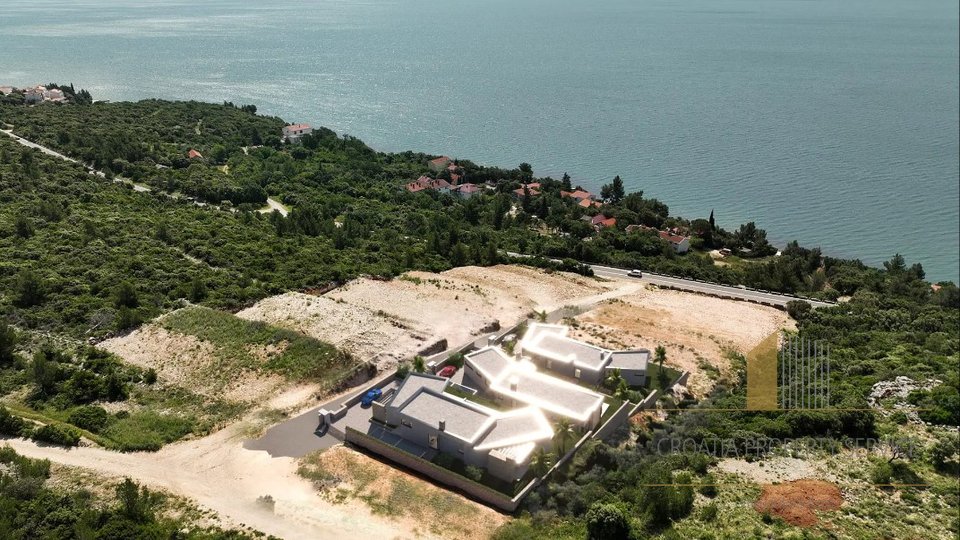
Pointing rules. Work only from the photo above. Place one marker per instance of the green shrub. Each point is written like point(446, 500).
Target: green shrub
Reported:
point(90, 417)
point(881, 474)
point(708, 487)
point(57, 434)
point(474, 473)
point(403, 370)
point(607, 522)
point(798, 309)
point(11, 424)
point(709, 512)
point(147, 431)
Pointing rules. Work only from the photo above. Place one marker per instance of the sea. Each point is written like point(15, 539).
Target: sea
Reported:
point(831, 122)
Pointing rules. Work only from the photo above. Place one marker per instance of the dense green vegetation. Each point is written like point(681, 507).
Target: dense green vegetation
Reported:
point(30, 507)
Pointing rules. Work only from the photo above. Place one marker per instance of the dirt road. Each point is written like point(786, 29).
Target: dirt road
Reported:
point(217, 473)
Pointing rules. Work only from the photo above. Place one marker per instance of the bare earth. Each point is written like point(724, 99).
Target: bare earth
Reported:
point(390, 321)
point(191, 363)
point(693, 328)
point(415, 504)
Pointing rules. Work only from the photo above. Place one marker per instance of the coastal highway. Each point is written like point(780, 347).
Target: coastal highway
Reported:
point(690, 285)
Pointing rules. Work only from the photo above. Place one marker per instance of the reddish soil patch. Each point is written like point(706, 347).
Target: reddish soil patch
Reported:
point(796, 502)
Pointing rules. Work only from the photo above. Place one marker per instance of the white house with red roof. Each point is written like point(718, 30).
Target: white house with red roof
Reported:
point(294, 132)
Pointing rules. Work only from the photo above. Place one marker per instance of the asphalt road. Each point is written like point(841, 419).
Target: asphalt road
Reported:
point(712, 289)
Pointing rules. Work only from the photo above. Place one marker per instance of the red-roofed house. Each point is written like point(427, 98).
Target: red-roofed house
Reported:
point(680, 244)
point(465, 191)
point(599, 221)
point(293, 132)
point(587, 203)
point(533, 189)
point(579, 194)
point(425, 182)
point(439, 164)
point(193, 154)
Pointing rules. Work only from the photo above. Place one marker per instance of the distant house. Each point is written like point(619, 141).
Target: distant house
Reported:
point(294, 132)
point(439, 164)
point(7, 90)
point(55, 95)
point(193, 154)
point(680, 244)
point(500, 442)
point(533, 189)
point(600, 221)
point(427, 183)
point(579, 195)
point(33, 95)
point(465, 191)
point(587, 203)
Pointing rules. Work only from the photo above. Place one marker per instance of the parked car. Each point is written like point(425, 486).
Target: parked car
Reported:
point(447, 371)
point(372, 395)
point(635, 273)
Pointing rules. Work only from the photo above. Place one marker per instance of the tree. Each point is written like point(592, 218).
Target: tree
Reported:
point(29, 289)
point(23, 226)
point(419, 365)
point(8, 343)
point(564, 434)
point(126, 296)
point(660, 354)
point(607, 522)
point(198, 289)
point(541, 461)
point(45, 373)
point(617, 191)
point(134, 501)
point(713, 224)
point(798, 309)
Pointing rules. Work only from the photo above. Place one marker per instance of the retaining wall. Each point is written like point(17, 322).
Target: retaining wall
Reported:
point(616, 420)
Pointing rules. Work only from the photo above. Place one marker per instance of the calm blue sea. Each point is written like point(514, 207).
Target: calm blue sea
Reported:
point(831, 122)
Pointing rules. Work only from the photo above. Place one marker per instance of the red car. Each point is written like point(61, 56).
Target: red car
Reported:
point(447, 371)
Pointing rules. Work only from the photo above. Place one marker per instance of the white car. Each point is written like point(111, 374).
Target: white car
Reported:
point(635, 273)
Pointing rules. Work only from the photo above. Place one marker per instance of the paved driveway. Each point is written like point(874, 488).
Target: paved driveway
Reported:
point(301, 435)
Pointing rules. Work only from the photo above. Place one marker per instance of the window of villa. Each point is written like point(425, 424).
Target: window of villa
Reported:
point(406, 423)
point(576, 373)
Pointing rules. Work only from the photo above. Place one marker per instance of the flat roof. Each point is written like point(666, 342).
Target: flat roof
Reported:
point(636, 359)
point(549, 393)
point(461, 419)
point(413, 383)
point(564, 349)
point(517, 427)
point(490, 361)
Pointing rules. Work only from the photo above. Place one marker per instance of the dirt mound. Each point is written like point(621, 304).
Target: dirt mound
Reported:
point(695, 329)
point(797, 502)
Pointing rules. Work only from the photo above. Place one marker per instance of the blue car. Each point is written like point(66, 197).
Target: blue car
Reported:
point(372, 395)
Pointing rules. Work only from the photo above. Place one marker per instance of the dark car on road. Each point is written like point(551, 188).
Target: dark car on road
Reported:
point(447, 371)
point(372, 395)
